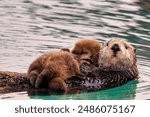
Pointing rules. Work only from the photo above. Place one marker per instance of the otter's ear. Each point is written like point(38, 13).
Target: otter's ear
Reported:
point(134, 50)
point(65, 49)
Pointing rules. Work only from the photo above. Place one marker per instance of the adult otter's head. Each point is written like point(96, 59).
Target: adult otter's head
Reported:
point(86, 48)
point(117, 55)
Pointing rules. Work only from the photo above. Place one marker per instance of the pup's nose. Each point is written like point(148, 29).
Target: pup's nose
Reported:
point(115, 48)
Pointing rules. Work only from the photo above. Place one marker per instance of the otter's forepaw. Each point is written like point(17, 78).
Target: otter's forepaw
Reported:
point(87, 68)
point(57, 84)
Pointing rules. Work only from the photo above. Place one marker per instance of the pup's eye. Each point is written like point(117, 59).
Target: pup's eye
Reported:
point(76, 52)
point(84, 52)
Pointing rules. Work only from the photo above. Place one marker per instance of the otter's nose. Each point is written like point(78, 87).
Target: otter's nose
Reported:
point(115, 48)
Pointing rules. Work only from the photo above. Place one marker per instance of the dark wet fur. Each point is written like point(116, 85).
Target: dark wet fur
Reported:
point(99, 79)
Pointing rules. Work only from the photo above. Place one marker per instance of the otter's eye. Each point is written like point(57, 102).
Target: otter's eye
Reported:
point(107, 44)
point(126, 47)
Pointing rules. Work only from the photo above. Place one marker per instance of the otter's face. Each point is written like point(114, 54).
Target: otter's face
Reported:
point(82, 53)
point(116, 54)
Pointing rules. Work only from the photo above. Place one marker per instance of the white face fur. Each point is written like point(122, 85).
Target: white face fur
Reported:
point(116, 55)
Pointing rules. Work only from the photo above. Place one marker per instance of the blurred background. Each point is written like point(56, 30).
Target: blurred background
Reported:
point(31, 27)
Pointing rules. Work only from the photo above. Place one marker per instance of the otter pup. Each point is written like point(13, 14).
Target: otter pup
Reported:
point(116, 65)
point(86, 49)
point(51, 69)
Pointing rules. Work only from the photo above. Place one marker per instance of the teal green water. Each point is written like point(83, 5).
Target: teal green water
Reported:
point(127, 91)
point(30, 27)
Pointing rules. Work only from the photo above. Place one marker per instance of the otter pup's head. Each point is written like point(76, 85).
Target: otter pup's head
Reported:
point(86, 48)
point(117, 55)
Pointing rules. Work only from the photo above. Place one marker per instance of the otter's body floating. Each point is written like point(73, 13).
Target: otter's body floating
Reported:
point(12, 82)
point(100, 79)
point(116, 66)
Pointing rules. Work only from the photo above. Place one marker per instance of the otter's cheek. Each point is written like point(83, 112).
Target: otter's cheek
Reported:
point(123, 54)
point(102, 53)
point(102, 58)
point(128, 57)
point(131, 60)
point(132, 56)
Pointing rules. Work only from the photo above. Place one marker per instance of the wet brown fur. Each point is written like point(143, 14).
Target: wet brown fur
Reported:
point(87, 49)
point(50, 66)
point(51, 69)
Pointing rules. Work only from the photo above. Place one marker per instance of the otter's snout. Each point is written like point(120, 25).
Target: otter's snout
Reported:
point(115, 48)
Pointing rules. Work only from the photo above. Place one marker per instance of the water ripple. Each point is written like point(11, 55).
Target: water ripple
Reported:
point(31, 27)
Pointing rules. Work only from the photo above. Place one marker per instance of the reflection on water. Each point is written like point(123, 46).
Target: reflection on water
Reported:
point(30, 27)
point(124, 92)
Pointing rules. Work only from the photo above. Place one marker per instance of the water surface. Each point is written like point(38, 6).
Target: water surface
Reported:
point(31, 27)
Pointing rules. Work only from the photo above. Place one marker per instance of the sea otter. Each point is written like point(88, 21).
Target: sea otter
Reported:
point(116, 65)
point(51, 69)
